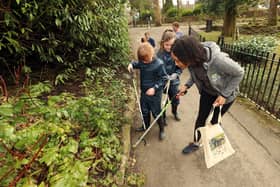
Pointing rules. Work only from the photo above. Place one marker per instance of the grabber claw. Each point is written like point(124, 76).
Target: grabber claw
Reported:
point(142, 140)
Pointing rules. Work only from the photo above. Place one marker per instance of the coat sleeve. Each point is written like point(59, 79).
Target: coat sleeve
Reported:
point(159, 84)
point(190, 81)
point(232, 72)
point(136, 65)
point(178, 70)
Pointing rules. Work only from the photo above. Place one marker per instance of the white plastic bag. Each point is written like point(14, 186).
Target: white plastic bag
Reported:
point(215, 143)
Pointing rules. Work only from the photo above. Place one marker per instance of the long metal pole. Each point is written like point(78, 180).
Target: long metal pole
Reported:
point(144, 134)
point(138, 101)
point(158, 116)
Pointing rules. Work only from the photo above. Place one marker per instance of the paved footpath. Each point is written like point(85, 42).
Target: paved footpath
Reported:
point(254, 136)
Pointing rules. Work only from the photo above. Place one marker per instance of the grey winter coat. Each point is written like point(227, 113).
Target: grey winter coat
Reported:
point(223, 73)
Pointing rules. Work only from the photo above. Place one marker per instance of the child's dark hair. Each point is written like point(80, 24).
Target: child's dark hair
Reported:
point(189, 51)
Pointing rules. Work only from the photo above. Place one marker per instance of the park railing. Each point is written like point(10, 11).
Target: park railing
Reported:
point(261, 82)
point(195, 34)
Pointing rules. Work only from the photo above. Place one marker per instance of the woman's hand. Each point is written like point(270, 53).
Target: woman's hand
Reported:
point(219, 101)
point(150, 92)
point(182, 91)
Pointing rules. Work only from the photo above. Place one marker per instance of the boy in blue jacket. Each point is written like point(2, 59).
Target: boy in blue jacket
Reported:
point(152, 74)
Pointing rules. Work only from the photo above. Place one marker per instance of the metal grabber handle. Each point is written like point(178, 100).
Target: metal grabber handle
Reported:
point(137, 97)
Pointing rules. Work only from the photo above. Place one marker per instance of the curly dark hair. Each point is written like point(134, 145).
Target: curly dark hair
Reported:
point(189, 51)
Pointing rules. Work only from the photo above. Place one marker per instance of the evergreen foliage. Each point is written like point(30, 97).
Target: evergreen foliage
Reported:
point(167, 5)
point(63, 140)
point(73, 33)
point(257, 43)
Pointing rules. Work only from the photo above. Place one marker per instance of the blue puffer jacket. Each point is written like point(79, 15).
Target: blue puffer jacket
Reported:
point(170, 65)
point(152, 75)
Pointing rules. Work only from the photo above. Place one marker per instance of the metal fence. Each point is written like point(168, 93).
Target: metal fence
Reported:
point(261, 82)
point(193, 33)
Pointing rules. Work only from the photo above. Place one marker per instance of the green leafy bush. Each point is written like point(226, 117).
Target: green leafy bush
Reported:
point(172, 12)
point(145, 14)
point(198, 9)
point(257, 43)
point(186, 12)
point(167, 5)
point(71, 34)
point(63, 140)
point(136, 180)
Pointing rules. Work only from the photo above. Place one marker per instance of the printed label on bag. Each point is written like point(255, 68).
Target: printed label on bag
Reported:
point(217, 141)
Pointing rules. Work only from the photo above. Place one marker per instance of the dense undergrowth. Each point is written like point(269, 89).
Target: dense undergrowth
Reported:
point(63, 140)
point(63, 35)
point(50, 137)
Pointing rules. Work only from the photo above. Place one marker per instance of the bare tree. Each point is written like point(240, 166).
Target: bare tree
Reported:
point(157, 13)
point(229, 25)
point(179, 5)
point(272, 14)
point(231, 11)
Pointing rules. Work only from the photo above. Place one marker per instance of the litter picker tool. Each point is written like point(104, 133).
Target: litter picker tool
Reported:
point(166, 95)
point(137, 98)
point(155, 120)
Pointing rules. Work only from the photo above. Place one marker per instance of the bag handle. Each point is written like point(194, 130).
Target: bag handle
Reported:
point(208, 121)
point(210, 116)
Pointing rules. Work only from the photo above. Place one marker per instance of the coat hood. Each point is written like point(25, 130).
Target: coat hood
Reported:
point(212, 50)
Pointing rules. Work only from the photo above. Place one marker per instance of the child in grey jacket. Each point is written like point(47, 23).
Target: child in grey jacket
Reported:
point(215, 74)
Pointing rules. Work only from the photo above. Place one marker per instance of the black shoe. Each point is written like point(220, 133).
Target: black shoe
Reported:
point(190, 148)
point(140, 129)
point(161, 135)
point(176, 117)
point(175, 113)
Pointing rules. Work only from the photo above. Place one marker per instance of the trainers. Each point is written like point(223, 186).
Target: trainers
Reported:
point(140, 129)
point(176, 117)
point(161, 135)
point(192, 147)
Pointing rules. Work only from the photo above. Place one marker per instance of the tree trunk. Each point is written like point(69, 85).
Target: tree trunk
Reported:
point(178, 6)
point(272, 14)
point(157, 13)
point(162, 11)
point(167, 4)
point(229, 25)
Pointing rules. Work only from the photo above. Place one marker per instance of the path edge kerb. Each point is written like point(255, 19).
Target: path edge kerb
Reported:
point(126, 139)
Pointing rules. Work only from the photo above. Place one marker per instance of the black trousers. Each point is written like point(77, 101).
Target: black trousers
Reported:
point(205, 105)
point(172, 92)
point(151, 104)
